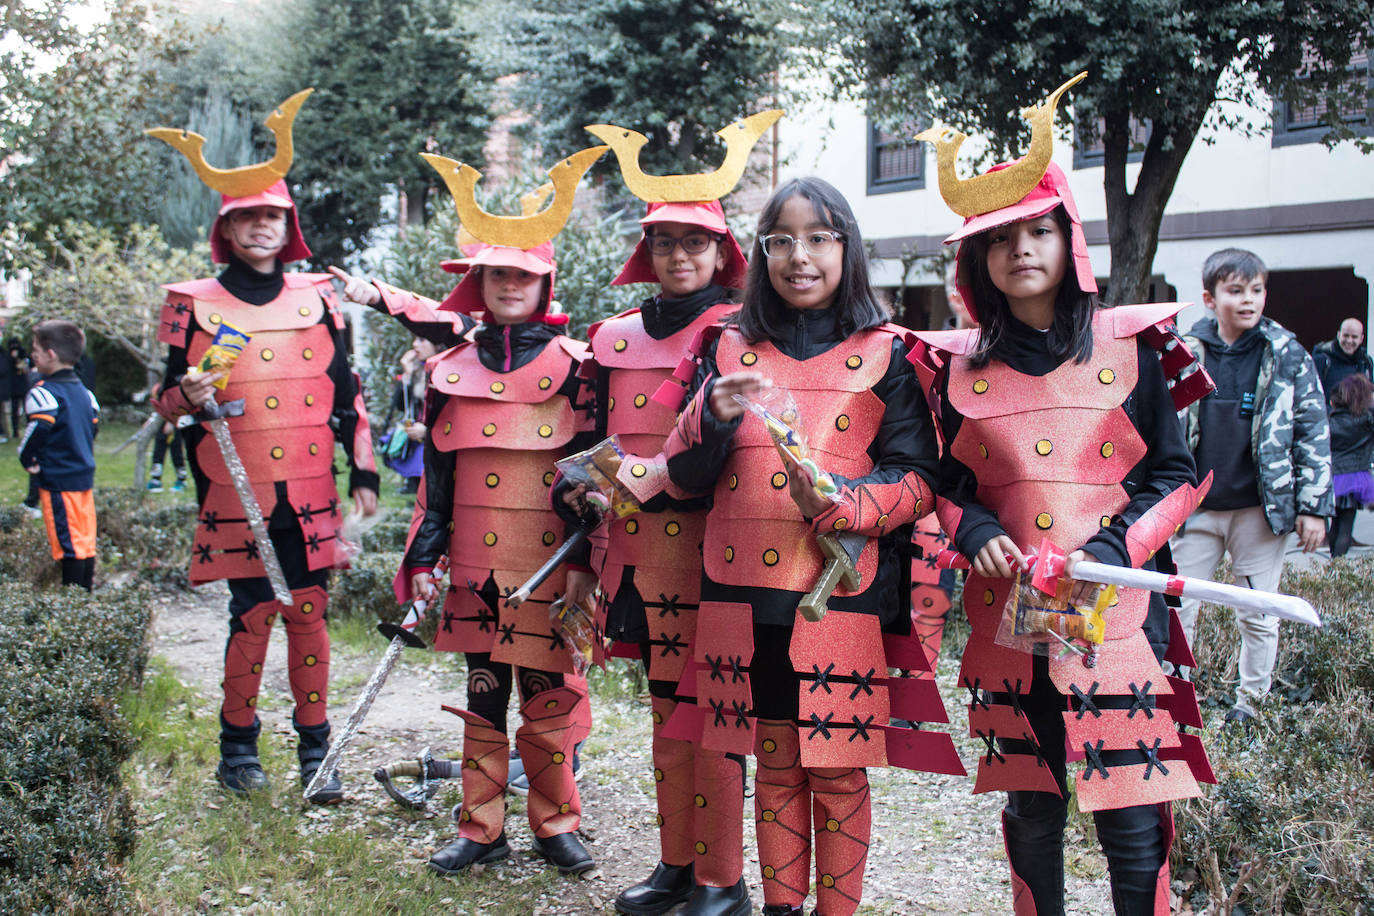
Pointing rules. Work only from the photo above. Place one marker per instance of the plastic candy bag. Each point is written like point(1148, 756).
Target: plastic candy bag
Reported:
point(778, 411)
point(575, 622)
point(596, 468)
point(348, 543)
point(1041, 624)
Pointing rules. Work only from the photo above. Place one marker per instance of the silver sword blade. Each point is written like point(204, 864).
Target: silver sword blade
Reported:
point(251, 510)
point(355, 718)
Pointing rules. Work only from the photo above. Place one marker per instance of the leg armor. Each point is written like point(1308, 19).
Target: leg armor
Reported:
point(307, 646)
point(545, 740)
point(719, 824)
point(843, 819)
point(782, 810)
point(250, 627)
point(673, 787)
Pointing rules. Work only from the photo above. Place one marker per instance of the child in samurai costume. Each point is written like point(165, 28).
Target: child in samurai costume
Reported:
point(501, 409)
point(1059, 423)
point(299, 396)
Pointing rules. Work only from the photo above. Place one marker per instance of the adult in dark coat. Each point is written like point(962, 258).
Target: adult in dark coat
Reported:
point(1344, 356)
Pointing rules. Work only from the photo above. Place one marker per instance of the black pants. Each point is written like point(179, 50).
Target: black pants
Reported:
point(1342, 533)
point(160, 445)
point(490, 683)
point(1132, 838)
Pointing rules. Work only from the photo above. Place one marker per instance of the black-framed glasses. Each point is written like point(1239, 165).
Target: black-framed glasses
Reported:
point(817, 244)
point(692, 243)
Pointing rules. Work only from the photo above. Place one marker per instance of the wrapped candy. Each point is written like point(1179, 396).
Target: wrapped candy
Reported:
point(777, 409)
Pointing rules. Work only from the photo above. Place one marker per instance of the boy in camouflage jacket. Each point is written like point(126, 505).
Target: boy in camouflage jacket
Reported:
point(1263, 434)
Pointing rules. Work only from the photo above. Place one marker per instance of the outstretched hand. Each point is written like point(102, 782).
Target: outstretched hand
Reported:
point(355, 289)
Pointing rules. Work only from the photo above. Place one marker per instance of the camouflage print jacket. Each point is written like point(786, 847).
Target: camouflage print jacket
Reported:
point(1290, 441)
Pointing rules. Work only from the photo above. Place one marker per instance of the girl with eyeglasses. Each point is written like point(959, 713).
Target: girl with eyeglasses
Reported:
point(650, 569)
point(809, 698)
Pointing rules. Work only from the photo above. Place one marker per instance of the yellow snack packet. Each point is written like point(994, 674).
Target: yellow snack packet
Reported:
point(224, 350)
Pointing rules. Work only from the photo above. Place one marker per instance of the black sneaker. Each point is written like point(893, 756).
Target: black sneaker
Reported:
point(242, 777)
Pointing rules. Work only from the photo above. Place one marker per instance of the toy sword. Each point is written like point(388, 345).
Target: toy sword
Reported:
point(1049, 564)
point(842, 551)
point(560, 556)
point(401, 635)
point(214, 416)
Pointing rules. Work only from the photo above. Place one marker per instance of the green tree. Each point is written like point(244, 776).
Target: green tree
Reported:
point(392, 78)
point(71, 102)
point(187, 208)
point(1165, 63)
point(674, 70)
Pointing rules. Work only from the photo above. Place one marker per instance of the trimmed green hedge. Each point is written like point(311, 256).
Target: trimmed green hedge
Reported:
point(66, 824)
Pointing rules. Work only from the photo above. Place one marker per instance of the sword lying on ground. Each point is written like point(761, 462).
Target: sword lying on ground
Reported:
point(1048, 566)
point(402, 635)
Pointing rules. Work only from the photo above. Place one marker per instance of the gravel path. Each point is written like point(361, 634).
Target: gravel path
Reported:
point(936, 850)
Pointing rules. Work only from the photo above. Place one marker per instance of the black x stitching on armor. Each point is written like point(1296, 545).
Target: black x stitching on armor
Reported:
point(861, 729)
point(737, 669)
point(1152, 761)
point(718, 707)
point(862, 683)
point(1095, 764)
point(673, 643)
point(990, 738)
point(1087, 700)
point(977, 697)
point(822, 678)
point(1141, 703)
point(820, 726)
point(507, 633)
point(715, 662)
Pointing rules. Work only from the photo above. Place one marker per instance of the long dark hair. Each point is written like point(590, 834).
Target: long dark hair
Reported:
point(1071, 333)
point(765, 313)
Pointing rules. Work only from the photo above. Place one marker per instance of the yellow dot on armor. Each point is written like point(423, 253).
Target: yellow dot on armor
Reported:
point(734, 481)
point(1044, 447)
point(882, 520)
point(729, 555)
point(257, 667)
point(310, 661)
point(638, 470)
point(657, 717)
point(632, 526)
point(498, 387)
point(489, 539)
point(308, 353)
point(544, 383)
point(278, 452)
point(471, 764)
point(1108, 449)
point(700, 848)
point(1044, 520)
point(272, 403)
point(252, 701)
point(828, 880)
point(770, 557)
point(548, 478)
point(313, 696)
point(452, 377)
point(640, 400)
point(832, 825)
point(314, 449)
point(658, 775)
point(927, 602)
point(489, 429)
point(271, 619)
point(1106, 376)
point(545, 431)
point(770, 745)
point(700, 800)
point(980, 386)
point(769, 815)
point(564, 808)
point(779, 480)
point(749, 359)
point(989, 597)
point(842, 422)
point(610, 403)
point(840, 524)
point(550, 704)
point(1106, 520)
point(548, 538)
point(658, 820)
point(267, 355)
point(492, 480)
point(982, 450)
point(467, 815)
point(854, 362)
point(620, 345)
point(308, 607)
point(558, 757)
point(215, 319)
point(673, 529)
point(768, 869)
point(303, 311)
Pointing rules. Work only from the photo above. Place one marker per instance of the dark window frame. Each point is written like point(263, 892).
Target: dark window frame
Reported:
point(1084, 158)
point(1286, 134)
point(909, 182)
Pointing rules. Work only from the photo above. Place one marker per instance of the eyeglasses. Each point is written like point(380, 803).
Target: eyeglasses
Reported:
point(693, 243)
point(817, 244)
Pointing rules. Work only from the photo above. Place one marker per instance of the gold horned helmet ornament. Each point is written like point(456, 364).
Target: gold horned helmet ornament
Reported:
point(246, 180)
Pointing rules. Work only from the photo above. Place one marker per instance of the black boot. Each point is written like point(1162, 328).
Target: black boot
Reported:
point(463, 853)
point(721, 901)
point(566, 851)
point(239, 769)
point(782, 909)
point(311, 751)
point(668, 886)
